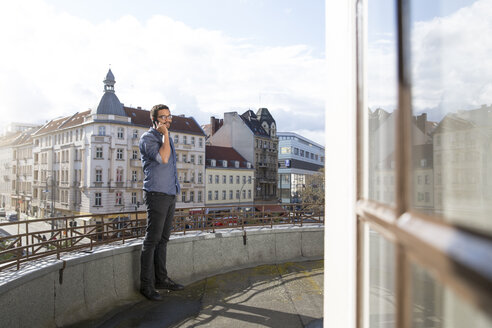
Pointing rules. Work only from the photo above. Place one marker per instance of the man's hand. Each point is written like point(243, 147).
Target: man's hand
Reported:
point(162, 128)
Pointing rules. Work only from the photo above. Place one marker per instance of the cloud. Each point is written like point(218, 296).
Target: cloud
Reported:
point(450, 65)
point(55, 63)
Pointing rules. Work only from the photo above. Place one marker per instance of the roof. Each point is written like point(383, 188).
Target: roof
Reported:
point(253, 124)
point(228, 154)
point(9, 139)
point(186, 125)
point(264, 116)
point(52, 125)
point(141, 117)
point(25, 137)
point(110, 105)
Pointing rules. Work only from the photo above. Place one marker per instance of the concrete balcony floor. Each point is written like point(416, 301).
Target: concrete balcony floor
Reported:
point(279, 295)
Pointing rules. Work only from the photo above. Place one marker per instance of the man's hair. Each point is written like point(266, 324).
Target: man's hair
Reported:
point(155, 110)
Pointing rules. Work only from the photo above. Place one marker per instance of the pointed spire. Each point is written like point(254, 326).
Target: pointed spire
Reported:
point(109, 82)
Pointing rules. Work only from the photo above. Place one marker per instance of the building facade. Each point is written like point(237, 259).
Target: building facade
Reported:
point(90, 162)
point(230, 177)
point(254, 137)
point(297, 157)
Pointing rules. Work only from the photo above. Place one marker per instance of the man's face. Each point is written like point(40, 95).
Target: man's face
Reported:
point(164, 116)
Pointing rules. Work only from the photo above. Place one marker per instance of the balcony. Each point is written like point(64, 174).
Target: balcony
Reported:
point(63, 306)
point(181, 146)
point(185, 165)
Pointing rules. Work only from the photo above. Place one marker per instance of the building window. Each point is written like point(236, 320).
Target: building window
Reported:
point(119, 153)
point(118, 198)
point(135, 154)
point(192, 159)
point(176, 139)
point(231, 194)
point(249, 179)
point(120, 133)
point(134, 176)
point(216, 195)
point(237, 179)
point(200, 142)
point(249, 194)
point(135, 134)
point(210, 178)
point(244, 194)
point(224, 194)
point(193, 141)
point(199, 196)
point(119, 175)
point(183, 158)
point(216, 179)
point(209, 195)
point(302, 153)
point(237, 194)
point(224, 179)
point(231, 179)
point(102, 130)
point(244, 179)
point(185, 139)
point(99, 153)
point(97, 199)
point(98, 175)
point(200, 159)
point(134, 198)
point(192, 196)
point(183, 196)
point(199, 177)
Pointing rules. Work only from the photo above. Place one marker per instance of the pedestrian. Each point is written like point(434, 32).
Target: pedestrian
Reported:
point(160, 187)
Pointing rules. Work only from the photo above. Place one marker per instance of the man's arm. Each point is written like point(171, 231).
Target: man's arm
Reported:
point(165, 149)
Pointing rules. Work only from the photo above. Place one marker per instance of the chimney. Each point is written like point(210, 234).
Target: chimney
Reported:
point(215, 124)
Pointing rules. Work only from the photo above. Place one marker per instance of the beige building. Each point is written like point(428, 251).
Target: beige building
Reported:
point(230, 177)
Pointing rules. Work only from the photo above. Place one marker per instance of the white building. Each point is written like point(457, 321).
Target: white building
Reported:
point(90, 162)
point(297, 157)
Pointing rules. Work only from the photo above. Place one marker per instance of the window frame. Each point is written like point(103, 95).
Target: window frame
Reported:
point(446, 249)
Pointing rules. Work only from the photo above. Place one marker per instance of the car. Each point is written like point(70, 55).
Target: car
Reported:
point(12, 217)
point(2, 212)
point(226, 221)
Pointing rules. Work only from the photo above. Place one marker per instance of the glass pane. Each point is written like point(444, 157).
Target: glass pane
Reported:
point(452, 94)
point(436, 306)
point(381, 101)
point(379, 297)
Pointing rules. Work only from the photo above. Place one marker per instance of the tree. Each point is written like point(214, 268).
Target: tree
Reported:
point(314, 189)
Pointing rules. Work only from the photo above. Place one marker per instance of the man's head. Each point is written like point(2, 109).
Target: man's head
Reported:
point(161, 113)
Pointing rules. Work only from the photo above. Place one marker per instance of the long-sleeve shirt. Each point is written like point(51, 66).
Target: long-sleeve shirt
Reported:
point(159, 176)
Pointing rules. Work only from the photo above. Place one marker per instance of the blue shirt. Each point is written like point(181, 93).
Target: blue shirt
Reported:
point(159, 176)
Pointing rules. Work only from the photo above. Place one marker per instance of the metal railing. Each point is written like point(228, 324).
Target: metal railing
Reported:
point(38, 238)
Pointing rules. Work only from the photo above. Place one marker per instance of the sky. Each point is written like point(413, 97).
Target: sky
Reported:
point(451, 42)
point(202, 58)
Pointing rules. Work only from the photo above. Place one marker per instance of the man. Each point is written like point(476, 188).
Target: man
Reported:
point(160, 187)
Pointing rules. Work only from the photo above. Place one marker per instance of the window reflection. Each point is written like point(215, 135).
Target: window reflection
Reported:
point(380, 296)
point(452, 106)
point(435, 306)
point(381, 101)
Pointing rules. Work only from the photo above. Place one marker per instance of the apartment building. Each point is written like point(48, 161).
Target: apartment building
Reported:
point(297, 157)
point(254, 137)
point(22, 171)
point(7, 176)
point(230, 177)
point(90, 162)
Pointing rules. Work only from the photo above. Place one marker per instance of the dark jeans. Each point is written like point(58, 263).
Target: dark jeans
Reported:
point(160, 212)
